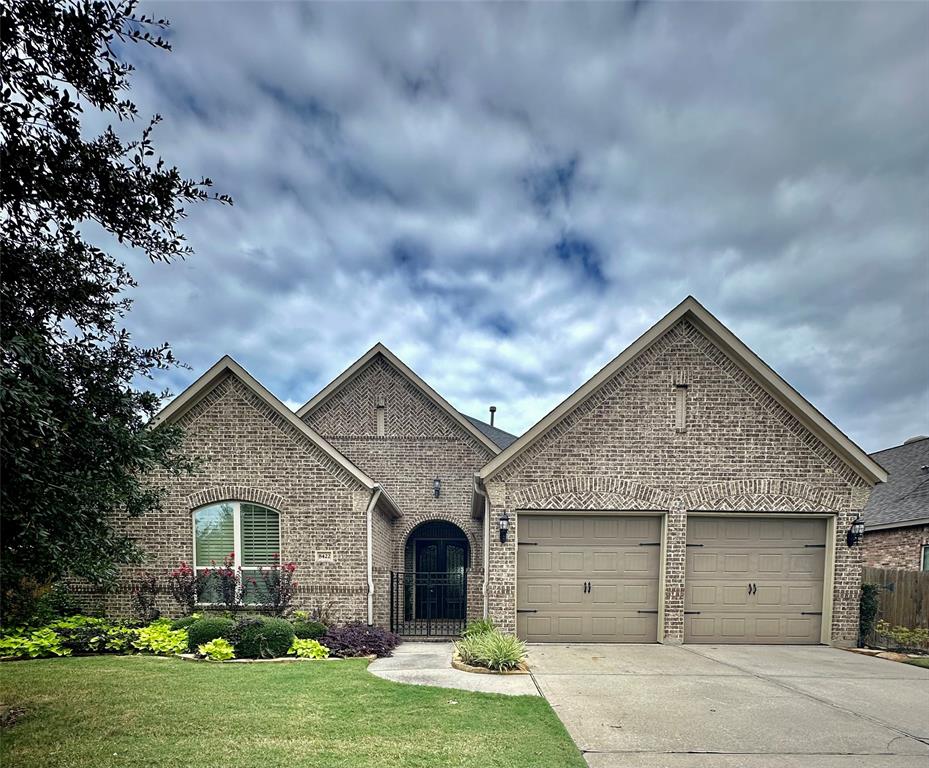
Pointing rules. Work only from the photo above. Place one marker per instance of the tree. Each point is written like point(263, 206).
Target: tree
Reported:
point(75, 445)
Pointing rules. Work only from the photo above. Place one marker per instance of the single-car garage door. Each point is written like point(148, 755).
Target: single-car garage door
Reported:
point(588, 578)
point(754, 580)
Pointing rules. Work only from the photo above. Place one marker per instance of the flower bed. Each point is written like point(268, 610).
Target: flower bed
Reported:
point(484, 649)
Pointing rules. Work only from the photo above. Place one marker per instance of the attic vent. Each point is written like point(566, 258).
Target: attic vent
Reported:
point(681, 378)
point(381, 426)
point(915, 439)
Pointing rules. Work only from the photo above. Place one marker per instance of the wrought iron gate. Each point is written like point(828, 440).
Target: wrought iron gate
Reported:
point(428, 604)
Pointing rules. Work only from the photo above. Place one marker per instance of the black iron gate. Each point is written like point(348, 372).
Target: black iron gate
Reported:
point(428, 604)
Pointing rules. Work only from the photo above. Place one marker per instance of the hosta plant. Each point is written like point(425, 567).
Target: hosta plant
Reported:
point(308, 649)
point(33, 644)
point(217, 650)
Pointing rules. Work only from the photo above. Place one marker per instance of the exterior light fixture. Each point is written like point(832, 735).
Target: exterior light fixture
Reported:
point(504, 526)
point(436, 487)
point(855, 533)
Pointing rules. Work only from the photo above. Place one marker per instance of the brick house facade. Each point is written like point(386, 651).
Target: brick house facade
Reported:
point(686, 421)
point(897, 548)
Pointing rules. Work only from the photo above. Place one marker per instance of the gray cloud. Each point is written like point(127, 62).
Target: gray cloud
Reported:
point(507, 194)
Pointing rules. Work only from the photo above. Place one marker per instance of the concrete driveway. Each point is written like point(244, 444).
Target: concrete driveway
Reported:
point(650, 706)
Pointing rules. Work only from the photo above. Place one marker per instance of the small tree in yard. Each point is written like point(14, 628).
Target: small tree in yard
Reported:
point(75, 444)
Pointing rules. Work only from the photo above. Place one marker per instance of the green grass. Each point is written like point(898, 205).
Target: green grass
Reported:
point(919, 662)
point(124, 711)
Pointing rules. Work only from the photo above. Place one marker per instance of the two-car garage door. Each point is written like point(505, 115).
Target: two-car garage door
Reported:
point(595, 578)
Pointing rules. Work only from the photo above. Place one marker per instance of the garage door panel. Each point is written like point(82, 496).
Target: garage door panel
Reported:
point(617, 556)
point(754, 580)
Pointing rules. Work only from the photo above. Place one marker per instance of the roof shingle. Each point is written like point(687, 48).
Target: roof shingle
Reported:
point(905, 495)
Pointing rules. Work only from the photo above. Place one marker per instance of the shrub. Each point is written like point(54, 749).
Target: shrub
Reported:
point(204, 630)
point(493, 650)
point(478, 627)
point(33, 644)
point(143, 593)
point(869, 602)
point(360, 640)
point(226, 580)
point(185, 621)
point(308, 649)
point(185, 584)
point(275, 587)
point(159, 638)
point(86, 634)
point(262, 637)
point(309, 630)
point(55, 603)
point(217, 650)
point(904, 637)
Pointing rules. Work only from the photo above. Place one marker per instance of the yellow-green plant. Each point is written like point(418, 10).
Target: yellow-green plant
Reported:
point(308, 649)
point(904, 637)
point(217, 650)
point(33, 644)
point(159, 638)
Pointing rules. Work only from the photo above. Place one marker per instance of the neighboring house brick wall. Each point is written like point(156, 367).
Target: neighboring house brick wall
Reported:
point(250, 452)
point(421, 442)
point(619, 450)
point(896, 547)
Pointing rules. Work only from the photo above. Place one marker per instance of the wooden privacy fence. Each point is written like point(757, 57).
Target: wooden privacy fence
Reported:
point(904, 596)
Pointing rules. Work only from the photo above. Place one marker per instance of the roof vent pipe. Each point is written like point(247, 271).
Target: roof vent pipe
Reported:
point(493, 410)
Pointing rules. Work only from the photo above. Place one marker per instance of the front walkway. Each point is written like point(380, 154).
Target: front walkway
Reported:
point(660, 706)
point(420, 663)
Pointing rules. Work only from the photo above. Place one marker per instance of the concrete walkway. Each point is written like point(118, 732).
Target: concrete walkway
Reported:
point(431, 664)
point(657, 706)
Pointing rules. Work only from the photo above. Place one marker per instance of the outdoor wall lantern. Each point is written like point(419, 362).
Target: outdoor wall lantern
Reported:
point(504, 527)
point(855, 532)
point(436, 487)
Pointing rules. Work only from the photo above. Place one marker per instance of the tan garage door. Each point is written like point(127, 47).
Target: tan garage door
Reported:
point(754, 580)
point(588, 578)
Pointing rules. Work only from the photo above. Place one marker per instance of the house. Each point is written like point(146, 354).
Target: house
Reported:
point(897, 514)
point(685, 493)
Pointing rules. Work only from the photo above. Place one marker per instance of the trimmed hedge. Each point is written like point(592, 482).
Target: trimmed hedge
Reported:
point(204, 630)
point(309, 630)
point(262, 638)
point(184, 622)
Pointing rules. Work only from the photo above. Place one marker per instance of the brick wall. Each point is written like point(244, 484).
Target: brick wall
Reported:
point(620, 450)
point(421, 442)
point(896, 547)
point(250, 452)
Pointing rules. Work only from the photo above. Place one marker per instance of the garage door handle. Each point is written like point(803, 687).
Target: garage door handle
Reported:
point(654, 611)
point(527, 610)
point(811, 613)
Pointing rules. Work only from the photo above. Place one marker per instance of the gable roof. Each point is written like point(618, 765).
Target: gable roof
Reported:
point(499, 436)
point(192, 395)
point(904, 499)
point(379, 349)
point(753, 365)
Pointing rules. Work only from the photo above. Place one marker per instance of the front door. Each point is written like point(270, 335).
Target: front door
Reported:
point(440, 567)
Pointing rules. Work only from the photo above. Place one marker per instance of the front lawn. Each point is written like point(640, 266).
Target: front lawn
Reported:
point(98, 711)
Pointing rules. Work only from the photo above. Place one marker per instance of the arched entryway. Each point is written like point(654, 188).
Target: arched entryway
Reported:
point(429, 596)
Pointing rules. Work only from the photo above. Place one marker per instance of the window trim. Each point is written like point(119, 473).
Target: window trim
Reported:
point(236, 505)
point(924, 558)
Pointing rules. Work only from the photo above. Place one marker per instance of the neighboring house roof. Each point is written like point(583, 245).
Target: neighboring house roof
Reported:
point(904, 499)
point(379, 349)
point(501, 438)
point(191, 396)
point(753, 365)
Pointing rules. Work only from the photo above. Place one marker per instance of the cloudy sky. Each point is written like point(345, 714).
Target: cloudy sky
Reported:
point(507, 195)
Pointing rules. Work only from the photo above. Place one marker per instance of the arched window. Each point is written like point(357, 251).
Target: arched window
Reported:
point(249, 535)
